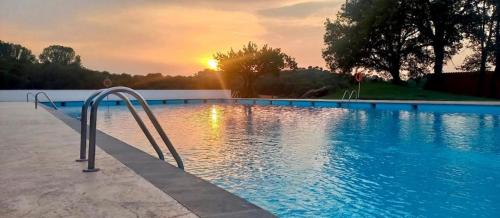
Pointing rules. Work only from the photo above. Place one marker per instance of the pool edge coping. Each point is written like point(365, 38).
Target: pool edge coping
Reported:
point(339, 102)
point(194, 193)
point(424, 102)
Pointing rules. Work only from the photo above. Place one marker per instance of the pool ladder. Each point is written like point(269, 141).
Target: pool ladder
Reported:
point(353, 93)
point(93, 102)
point(36, 99)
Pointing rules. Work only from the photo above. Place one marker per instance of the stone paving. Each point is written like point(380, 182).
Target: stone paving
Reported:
point(39, 177)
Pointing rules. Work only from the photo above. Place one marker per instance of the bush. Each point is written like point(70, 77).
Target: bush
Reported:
point(294, 84)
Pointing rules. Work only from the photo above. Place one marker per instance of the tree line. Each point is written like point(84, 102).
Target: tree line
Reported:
point(411, 38)
point(249, 71)
point(59, 67)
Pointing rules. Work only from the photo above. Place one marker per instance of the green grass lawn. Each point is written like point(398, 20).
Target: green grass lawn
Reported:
point(388, 91)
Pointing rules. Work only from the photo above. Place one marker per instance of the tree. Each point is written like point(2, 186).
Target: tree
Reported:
point(496, 75)
point(15, 61)
point(481, 60)
point(440, 23)
point(379, 35)
point(57, 54)
point(10, 51)
point(480, 33)
point(242, 68)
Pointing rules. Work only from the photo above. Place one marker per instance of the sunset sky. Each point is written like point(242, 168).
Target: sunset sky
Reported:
point(175, 37)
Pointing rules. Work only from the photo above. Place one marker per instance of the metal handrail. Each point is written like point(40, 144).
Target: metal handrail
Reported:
point(350, 96)
point(83, 126)
point(345, 93)
point(99, 96)
point(28, 95)
point(46, 96)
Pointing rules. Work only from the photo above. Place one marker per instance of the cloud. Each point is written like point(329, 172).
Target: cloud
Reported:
point(299, 28)
point(301, 10)
point(302, 41)
point(168, 36)
point(170, 39)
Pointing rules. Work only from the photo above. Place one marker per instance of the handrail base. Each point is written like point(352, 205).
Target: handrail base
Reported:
point(90, 170)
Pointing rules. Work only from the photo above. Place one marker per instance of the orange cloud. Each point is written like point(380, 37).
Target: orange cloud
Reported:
point(172, 36)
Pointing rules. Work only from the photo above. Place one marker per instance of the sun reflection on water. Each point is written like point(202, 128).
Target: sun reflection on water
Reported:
point(215, 119)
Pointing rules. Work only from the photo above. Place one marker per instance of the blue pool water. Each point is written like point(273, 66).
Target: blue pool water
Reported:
point(331, 162)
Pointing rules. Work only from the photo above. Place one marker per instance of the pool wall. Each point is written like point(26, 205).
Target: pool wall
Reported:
point(424, 106)
point(80, 95)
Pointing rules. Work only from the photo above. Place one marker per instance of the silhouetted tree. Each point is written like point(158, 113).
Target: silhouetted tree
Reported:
point(242, 68)
point(57, 54)
point(15, 62)
point(379, 35)
point(440, 23)
point(16, 52)
point(480, 32)
point(496, 75)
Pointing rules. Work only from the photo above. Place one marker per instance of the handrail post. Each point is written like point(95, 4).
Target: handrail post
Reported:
point(91, 158)
point(83, 134)
point(83, 126)
point(27, 96)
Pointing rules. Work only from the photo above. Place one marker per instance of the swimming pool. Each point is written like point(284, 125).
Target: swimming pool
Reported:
point(304, 161)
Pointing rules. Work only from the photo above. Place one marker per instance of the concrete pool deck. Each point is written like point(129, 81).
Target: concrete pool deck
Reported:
point(40, 178)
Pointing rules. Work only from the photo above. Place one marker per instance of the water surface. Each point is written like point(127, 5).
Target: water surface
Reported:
point(323, 162)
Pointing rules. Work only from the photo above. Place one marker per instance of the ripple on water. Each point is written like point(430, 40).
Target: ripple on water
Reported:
point(320, 162)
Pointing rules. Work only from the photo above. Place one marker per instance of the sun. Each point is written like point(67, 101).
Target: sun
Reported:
point(212, 64)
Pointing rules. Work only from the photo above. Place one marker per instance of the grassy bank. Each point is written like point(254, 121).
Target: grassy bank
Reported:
point(387, 91)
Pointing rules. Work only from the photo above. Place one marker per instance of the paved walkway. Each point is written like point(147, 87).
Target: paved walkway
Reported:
point(39, 177)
